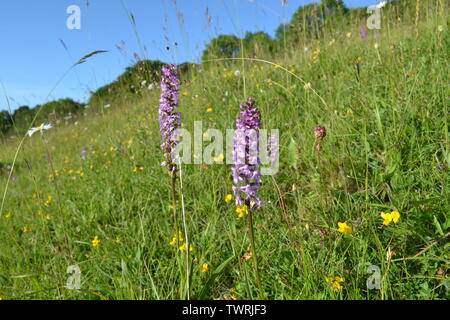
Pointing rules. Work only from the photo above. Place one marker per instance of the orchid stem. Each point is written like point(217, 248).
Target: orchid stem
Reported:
point(255, 256)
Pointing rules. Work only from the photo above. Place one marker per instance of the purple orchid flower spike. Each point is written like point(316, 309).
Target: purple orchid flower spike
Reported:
point(169, 120)
point(363, 33)
point(246, 173)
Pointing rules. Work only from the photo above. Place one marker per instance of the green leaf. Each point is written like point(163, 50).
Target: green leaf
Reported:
point(292, 153)
point(438, 226)
point(83, 60)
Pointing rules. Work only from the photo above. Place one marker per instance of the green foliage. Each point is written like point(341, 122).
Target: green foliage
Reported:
point(387, 148)
point(224, 46)
point(258, 44)
point(5, 121)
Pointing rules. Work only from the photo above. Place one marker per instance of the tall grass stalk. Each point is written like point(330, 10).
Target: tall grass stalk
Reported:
point(186, 235)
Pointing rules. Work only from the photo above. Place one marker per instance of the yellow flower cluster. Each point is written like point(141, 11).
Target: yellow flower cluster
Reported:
point(315, 56)
point(95, 242)
point(180, 240)
point(336, 282)
point(228, 198)
point(138, 169)
point(183, 247)
point(394, 216)
point(70, 172)
point(48, 202)
point(174, 239)
point(242, 211)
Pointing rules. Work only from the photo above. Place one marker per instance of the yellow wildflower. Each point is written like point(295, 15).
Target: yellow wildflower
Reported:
point(387, 218)
point(242, 211)
point(183, 247)
point(138, 169)
point(48, 202)
point(174, 239)
point(228, 198)
point(345, 228)
point(209, 109)
point(26, 229)
point(205, 268)
point(8, 215)
point(395, 216)
point(336, 282)
point(337, 286)
point(95, 242)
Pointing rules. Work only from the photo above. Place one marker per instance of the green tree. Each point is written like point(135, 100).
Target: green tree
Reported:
point(224, 46)
point(5, 121)
point(257, 44)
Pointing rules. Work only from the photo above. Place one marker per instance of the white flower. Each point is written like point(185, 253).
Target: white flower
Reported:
point(237, 73)
point(107, 106)
point(39, 129)
point(381, 4)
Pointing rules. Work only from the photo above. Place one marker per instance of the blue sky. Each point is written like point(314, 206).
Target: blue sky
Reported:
point(32, 58)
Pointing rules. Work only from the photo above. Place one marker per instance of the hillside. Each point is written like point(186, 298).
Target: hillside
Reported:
point(91, 192)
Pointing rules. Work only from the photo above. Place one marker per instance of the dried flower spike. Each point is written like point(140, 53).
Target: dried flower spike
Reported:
point(320, 132)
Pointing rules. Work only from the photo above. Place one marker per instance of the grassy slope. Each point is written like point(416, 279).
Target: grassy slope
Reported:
point(387, 148)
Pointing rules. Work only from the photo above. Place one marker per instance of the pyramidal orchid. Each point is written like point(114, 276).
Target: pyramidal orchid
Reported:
point(169, 120)
point(169, 123)
point(246, 172)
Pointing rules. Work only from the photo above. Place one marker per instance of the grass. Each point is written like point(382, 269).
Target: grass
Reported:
point(387, 148)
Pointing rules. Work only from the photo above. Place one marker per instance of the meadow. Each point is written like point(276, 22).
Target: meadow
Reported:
point(369, 200)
